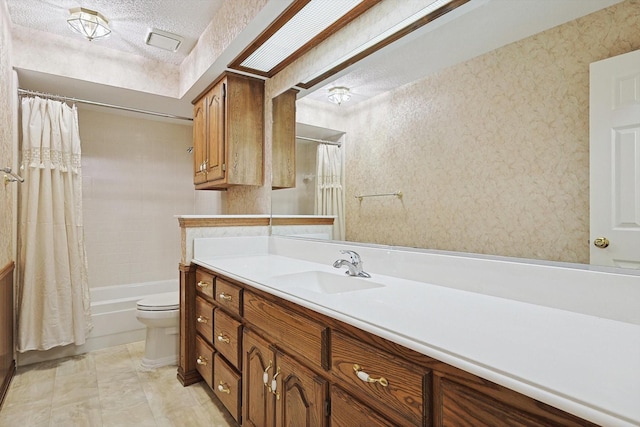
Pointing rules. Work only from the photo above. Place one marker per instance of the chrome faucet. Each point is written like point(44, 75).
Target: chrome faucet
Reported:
point(354, 267)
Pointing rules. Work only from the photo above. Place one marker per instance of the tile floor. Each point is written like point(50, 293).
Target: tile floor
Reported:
point(107, 388)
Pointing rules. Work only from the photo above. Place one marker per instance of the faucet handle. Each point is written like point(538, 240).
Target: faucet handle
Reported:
point(355, 258)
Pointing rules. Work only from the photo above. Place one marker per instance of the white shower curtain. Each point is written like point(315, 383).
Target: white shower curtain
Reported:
point(329, 192)
point(53, 292)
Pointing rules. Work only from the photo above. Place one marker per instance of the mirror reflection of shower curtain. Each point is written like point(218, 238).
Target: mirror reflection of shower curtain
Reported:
point(329, 188)
point(53, 292)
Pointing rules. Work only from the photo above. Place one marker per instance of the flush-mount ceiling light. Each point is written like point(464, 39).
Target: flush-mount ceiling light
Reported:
point(164, 40)
point(339, 94)
point(88, 23)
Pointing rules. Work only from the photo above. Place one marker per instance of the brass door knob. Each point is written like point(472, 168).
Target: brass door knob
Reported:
point(601, 242)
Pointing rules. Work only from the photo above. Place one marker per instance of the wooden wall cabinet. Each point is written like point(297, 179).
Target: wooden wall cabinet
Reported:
point(228, 133)
point(284, 140)
point(296, 367)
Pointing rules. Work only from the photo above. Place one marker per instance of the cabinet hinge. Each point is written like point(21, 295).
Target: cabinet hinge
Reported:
point(327, 408)
point(224, 167)
point(224, 90)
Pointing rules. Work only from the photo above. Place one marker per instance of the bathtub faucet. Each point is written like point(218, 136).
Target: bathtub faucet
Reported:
point(354, 268)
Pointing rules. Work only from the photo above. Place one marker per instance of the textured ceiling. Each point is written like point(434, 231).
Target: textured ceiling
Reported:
point(471, 30)
point(129, 20)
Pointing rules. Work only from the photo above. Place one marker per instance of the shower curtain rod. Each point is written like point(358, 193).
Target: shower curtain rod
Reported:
point(99, 104)
point(321, 141)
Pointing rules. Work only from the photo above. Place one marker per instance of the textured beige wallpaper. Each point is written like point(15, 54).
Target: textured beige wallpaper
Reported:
point(492, 155)
point(6, 138)
point(229, 21)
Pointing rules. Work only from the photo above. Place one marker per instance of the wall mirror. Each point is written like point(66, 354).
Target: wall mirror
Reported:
point(471, 135)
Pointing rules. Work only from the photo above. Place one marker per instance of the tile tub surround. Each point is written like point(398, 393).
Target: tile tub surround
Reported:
point(581, 358)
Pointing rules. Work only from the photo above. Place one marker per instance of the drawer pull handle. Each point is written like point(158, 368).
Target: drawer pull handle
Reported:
point(224, 388)
point(225, 297)
point(202, 284)
point(224, 339)
point(274, 385)
point(366, 378)
point(202, 319)
point(201, 361)
point(265, 375)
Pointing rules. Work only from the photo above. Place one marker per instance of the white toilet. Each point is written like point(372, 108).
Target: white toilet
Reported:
point(160, 313)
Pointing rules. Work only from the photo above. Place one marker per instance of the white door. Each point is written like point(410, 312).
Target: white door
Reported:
point(615, 161)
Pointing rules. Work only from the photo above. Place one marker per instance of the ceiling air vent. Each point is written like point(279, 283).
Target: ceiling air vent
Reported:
point(164, 40)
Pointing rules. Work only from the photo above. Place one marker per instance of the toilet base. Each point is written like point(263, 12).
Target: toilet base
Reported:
point(161, 347)
point(157, 363)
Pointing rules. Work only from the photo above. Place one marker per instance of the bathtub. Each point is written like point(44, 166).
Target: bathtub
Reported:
point(113, 314)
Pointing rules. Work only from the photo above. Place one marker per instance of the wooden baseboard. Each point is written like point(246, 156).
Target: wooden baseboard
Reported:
point(7, 362)
point(7, 381)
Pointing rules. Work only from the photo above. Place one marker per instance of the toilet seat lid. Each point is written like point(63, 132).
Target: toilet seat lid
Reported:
point(160, 302)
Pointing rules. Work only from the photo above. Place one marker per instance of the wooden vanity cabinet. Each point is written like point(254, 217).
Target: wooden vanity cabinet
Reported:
point(228, 133)
point(286, 365)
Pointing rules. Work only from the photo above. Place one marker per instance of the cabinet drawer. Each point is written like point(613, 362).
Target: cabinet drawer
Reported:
point(348, 412)
point(204, 360)
point(403, 392)
point(229, 296)
point(290, 331)
point(205, 283)
point(204, 319)
point(227, 337)
point(227, 386)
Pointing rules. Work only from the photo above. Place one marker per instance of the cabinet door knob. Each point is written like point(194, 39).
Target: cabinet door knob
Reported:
point(366, 378)
point(601, 242)
point(225, 297)
point(224, 388)
point(202, 319)
point(223, 339)
point(201, 361)
point(202, 284)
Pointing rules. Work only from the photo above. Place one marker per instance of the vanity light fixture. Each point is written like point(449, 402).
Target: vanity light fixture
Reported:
point(339, 94)
point(302, 26)
point(88, 23)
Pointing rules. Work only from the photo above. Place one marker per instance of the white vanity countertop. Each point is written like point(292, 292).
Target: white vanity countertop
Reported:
point(585, 365)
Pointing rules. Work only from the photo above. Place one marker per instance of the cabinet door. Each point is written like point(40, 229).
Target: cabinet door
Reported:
point(258, 401)
point(301, 395)
point(283, 142)
point(199, 141)
point(215, 162)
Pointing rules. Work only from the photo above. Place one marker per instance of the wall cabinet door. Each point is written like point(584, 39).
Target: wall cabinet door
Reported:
point(283, 141)
point(214, 163)
point(199, 140)
point(301, 395)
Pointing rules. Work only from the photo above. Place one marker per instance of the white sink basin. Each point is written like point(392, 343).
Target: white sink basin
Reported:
point(324, 283)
